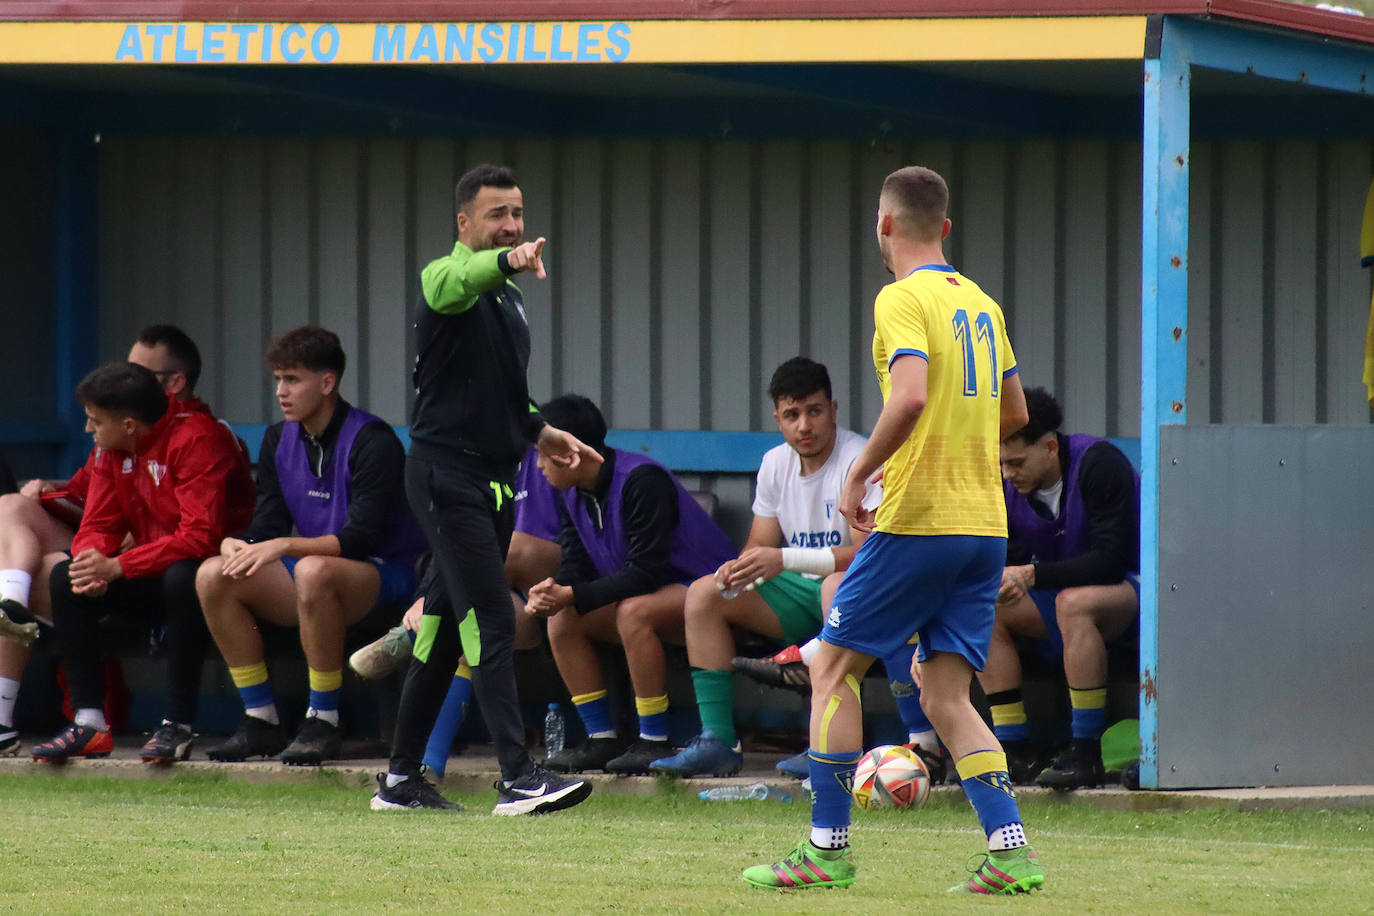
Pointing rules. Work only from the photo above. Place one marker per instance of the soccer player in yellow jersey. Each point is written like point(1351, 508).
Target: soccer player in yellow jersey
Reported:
point(933, 563)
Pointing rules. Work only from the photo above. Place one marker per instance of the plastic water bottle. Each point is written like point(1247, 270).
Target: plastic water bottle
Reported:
point(759, 791)
point(553, 730)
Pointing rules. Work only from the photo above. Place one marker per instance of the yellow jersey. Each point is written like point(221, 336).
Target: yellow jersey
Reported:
point(946, 477)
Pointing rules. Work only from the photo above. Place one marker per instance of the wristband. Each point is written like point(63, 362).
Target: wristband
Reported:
point(818, 561)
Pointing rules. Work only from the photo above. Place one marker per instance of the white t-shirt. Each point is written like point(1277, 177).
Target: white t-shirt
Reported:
point(807, 508)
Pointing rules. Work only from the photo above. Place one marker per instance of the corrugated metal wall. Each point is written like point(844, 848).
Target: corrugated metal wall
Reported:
point(682, 272)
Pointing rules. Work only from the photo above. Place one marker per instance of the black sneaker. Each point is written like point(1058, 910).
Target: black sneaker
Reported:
point(170, 743)
point(17, 623)
point(253, 738)
point(636, 760)
point(936, 764)
point(592, 754)
point(316, 742)
point(784, 669)
point(1077, 767)
point(412, 792)
point(1025, 761)
point(539, 792)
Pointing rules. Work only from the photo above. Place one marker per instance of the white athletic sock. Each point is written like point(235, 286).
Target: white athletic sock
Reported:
point(830, 837)
point(9, 693)
point(393, 780)
point(92, 717)
point(15, 585)
point(325, 715)
point(926, 740)
point(266, 713)
point(1008, 836)
point(809, 650)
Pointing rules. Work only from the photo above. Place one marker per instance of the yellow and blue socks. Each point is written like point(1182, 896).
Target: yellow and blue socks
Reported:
point(715, 692)
point(988, 787)
point(595, 712)
point(832, 783)
point(653, 717)
point(1089, 713)
point(450, 720)
point(255, 690)
point(908, 698)
point(1008, 716)
point(325, 687)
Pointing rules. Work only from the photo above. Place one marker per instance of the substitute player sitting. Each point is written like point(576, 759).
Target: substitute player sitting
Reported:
point(933, 564)
point(632, 540)
point(1072, 581)
point(334, 474)
point(774, 585)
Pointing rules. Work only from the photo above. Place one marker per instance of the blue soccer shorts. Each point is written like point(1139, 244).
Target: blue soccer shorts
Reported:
point(397, 586)
point(1051, 648)
point(942, 587)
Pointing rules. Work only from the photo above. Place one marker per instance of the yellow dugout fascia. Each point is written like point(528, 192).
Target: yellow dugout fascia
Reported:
point(634, 42)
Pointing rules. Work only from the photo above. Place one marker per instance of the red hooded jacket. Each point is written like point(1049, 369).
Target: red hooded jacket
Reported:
point(187, 487)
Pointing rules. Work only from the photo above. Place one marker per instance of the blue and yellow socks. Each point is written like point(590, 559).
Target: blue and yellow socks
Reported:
point(1089, 717)
point(653, 717)
point(832, 782)
point(450, 720)
point(325, 687)
point(988, 787)
point(595, 712)
point(1008, 716)
point(255, 690)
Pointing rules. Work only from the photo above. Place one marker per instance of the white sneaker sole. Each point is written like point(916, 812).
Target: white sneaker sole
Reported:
point(549, 801)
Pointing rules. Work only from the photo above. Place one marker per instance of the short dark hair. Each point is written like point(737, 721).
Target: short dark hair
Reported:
point(180, 347)
point(309, 347)
point(482, 176)
point(919, 199)
point(799, 378)
point(1046, 416)
point(125, 389)
point(577, 415)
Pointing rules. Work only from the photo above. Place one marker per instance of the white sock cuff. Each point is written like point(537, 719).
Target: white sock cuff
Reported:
point(1008, 836)
point(91, 717)
point(15, 585)
point(809, 650)
point(830, 837)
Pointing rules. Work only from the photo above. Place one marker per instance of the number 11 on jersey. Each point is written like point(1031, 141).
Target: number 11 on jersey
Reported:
point(965, 335)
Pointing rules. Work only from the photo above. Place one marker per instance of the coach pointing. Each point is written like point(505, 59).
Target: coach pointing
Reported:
point(470, 425)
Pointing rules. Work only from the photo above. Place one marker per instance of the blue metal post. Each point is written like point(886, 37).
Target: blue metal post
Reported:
point(74, 286)
point(1164, 326)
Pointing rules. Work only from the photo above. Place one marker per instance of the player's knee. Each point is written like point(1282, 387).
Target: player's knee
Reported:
point(210, 578)
point(313, 579)
point(700, 603)
point(1074, 609)
point(564, 625)
point(634, 618)
point(14, 507)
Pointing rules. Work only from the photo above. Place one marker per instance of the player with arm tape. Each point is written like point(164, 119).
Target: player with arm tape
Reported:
point(932, 563)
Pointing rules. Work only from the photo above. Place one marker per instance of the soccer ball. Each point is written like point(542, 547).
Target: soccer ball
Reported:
point(891, 776)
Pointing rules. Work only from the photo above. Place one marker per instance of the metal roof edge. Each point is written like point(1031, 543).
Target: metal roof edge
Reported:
point(1298, 17)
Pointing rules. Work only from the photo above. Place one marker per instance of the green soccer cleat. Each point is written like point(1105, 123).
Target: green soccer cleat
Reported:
point(806, 866)
point(1011, 871)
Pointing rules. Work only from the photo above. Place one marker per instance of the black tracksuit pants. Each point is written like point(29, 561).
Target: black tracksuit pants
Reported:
point(169, 599)
point(468, 521)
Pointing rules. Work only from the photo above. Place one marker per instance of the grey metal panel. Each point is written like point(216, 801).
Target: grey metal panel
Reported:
point(1262, 635)
point(682, 271)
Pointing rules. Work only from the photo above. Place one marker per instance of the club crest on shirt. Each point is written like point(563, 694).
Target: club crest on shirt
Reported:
point(158, 471)
point(127, 467)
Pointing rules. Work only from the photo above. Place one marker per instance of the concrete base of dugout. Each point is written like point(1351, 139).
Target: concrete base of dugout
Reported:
point(475, 770)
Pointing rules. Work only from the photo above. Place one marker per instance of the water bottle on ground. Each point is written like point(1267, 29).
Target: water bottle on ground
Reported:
point(759, 791)
point(553, 730)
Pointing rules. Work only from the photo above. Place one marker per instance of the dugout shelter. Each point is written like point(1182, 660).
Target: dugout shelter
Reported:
point(1165, 196)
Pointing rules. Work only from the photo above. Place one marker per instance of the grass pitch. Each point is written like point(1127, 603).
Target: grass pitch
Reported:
point(198, 843)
